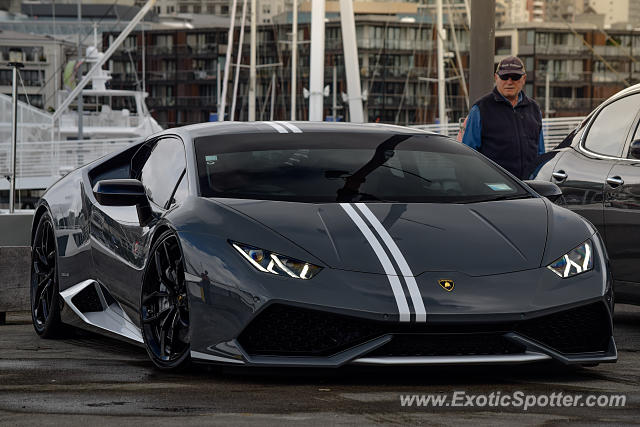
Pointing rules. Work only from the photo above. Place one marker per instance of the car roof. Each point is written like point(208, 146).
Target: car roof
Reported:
point(225, 128)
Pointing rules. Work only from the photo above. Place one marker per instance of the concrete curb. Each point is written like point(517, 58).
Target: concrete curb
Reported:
point(14, 278)
point(15, 262)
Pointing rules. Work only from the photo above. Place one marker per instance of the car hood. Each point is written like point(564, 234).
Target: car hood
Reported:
point(475, 239)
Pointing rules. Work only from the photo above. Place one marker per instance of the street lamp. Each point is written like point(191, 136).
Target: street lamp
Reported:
point(14, 133)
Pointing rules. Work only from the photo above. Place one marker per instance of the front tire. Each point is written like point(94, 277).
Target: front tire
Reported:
point(164, 306)
point(44, 294)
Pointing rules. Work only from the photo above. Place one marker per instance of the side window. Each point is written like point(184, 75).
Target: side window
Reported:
point(163, 169)
point(609, 130)
point(182, 191)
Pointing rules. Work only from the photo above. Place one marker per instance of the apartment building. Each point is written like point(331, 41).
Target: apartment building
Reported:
point(395, 55)
point(618, 12)
point(42, 57)
point(515, 11)
point(397, 64)
point(584, 64)
point(266, 9)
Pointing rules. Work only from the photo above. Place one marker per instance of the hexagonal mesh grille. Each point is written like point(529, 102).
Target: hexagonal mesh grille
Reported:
point(282, 330)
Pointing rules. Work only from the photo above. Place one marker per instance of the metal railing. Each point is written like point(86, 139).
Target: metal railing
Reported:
point(51, 159)
point(612, 50)
point(56, 158)
point(553, 129)
point(562, 76)
point(558, 104)
point(561, 49)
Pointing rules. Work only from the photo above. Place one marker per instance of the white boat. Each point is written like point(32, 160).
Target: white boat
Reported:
point(48, 149)
point(107, 113)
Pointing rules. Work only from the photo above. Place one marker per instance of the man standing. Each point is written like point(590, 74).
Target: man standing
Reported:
point(506, 125)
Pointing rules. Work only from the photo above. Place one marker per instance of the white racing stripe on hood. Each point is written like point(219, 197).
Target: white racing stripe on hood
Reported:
point(276, 126)
point(416, 298)
point(396, 286)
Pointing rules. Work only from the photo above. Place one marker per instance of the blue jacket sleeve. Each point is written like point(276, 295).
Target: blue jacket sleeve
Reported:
point(541, 139)
point(473, 133)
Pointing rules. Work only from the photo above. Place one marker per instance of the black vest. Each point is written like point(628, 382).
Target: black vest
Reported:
point(510, 135)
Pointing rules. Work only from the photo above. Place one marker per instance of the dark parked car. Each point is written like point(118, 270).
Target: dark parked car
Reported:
point(315, 244)
point(598, 169)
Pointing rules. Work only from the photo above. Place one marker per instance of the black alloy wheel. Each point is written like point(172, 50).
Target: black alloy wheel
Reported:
point(164, 306)
point(45, 299)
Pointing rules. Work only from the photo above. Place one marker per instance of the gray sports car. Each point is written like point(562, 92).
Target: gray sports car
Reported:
point(315, 244)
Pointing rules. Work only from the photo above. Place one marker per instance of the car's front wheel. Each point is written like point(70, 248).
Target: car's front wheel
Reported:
point(45, 299)
point(164, 305)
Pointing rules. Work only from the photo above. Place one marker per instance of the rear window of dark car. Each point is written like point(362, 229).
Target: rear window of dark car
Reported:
point(342, 167)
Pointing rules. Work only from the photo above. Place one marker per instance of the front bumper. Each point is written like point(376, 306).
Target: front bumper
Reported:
point(289, 335)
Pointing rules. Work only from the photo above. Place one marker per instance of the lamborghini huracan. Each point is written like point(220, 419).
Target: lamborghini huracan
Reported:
point(318, 244)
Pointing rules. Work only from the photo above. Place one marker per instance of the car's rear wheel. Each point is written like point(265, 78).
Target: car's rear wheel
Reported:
point(164, 306)
point(45, 299)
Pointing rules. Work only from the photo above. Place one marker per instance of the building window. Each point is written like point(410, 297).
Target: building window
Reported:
point(196, 8)
point(530, 37)
point(184, 8)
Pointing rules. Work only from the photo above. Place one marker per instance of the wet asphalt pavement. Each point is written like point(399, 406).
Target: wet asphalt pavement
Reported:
point(86, 379)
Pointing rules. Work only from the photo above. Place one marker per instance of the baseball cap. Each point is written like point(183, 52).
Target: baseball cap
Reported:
point(510, 65)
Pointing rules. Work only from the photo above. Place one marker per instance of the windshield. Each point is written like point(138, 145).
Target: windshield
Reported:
point(347, 167)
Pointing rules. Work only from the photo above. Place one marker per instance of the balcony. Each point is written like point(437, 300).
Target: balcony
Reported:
point(125, 77)
point(612, 50)
point(558, 49)
point(365, 43)
point(196, 101)
point(28, 58)
point(559, 105)
point(163, 101)
point(394, 72)
point(609, 76)
point(27, 83)
point(561, 76)
point(162, 75)
point(204, 74)
point(205, 49)
point(161, 50)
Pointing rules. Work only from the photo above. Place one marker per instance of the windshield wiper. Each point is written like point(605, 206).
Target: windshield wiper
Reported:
point(352, 197)
point(503, 197)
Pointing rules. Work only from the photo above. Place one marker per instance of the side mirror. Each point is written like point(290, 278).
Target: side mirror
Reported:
point(634, 150)
point(120, 192)
point(546, 189)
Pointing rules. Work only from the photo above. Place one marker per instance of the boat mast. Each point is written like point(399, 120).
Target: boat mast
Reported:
point(79, 73)
point(223, 97)
point(441, 80)
point(252, 63)
point(316, 66)
point(350, 48)
point(232, 113)
point(294, 59)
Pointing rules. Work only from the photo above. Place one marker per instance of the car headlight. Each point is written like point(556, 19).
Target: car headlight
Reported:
point(576, 261)
point(271, 262)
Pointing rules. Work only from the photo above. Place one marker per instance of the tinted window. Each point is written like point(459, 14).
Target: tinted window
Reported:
point(162, 170)
point(332, 167)
point(610, 128)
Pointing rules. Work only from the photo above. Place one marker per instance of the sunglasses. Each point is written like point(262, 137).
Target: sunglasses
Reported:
point(514, 77)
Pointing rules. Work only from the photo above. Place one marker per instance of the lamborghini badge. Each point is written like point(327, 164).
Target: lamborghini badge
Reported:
point(446, 284)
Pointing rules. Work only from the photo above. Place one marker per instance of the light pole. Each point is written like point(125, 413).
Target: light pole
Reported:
point(14, 134)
